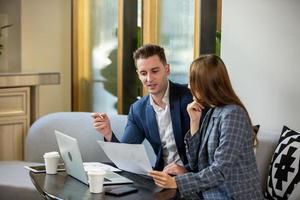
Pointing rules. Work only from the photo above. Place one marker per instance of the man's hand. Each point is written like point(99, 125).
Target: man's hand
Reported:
point(102, 124)
point(194, 110)
point(174, 169)
point(163, 180)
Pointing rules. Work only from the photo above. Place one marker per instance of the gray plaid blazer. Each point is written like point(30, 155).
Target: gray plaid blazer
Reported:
point(223, 164)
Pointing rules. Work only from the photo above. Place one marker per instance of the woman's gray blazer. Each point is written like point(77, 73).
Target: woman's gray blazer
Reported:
point(223, 163)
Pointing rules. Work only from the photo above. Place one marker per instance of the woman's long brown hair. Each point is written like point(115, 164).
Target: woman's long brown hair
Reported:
point(210, 83)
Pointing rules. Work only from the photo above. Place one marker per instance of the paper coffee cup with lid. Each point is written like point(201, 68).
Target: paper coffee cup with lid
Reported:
point(51, 162)
point(96, 178)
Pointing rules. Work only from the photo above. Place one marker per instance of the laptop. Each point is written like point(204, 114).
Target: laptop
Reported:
point(70, 153)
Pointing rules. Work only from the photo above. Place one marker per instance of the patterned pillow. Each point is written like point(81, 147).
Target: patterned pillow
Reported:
point(284, 171)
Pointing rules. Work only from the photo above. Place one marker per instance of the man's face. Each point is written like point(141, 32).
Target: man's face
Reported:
point(153, 74)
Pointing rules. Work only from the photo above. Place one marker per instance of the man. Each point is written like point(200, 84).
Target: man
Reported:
point(160, 117)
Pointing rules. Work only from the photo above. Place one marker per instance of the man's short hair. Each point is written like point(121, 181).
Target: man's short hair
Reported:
point(149, 50)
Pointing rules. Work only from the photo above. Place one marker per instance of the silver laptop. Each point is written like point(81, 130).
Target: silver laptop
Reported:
point(70, 153)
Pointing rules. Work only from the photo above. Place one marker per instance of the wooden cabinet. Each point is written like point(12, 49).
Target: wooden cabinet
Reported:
point(14, 122)
point(19, 108)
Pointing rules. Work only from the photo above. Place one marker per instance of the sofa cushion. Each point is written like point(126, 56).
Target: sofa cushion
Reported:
point(284, 171)
point(266, 143)
point(41, 137)
point(15, 182)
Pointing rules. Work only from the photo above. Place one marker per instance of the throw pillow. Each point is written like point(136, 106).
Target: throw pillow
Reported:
point(284, 171)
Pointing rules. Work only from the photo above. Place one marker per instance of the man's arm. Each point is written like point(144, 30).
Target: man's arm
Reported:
point(133, 133)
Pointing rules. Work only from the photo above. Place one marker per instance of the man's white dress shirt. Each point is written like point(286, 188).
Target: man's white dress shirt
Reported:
point(164, 122)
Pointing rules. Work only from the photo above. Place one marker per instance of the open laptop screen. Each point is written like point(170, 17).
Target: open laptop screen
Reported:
point(70, 153)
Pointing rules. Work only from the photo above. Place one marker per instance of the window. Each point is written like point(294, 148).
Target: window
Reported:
point(107, 32)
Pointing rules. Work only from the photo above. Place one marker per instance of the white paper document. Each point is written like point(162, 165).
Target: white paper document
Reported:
point(128, 157)
point(90, 166)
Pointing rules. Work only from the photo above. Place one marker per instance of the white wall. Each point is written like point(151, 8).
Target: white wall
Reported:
point(261, 48)
point(46, 47)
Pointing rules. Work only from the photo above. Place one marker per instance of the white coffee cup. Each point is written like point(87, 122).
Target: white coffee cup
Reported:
point(51, 161)
point(96, 178)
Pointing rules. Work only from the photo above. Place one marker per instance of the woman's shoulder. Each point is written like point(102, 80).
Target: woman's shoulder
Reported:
point(230, 110)
point(233, 107)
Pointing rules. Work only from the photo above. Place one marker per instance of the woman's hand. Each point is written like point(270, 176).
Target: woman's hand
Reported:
point(163, 180)
point(194, 110)
point(174, 169)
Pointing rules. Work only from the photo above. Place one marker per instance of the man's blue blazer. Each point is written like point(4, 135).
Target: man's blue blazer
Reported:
point(142, 123)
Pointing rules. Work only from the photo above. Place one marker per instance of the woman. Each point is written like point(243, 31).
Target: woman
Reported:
point(220, 152)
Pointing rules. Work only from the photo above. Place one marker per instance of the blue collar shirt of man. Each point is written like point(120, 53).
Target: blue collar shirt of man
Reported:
point(159, 117)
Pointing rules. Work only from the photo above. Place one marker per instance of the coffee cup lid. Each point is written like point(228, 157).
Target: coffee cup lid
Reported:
point(51, 154)
point(96, 172)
